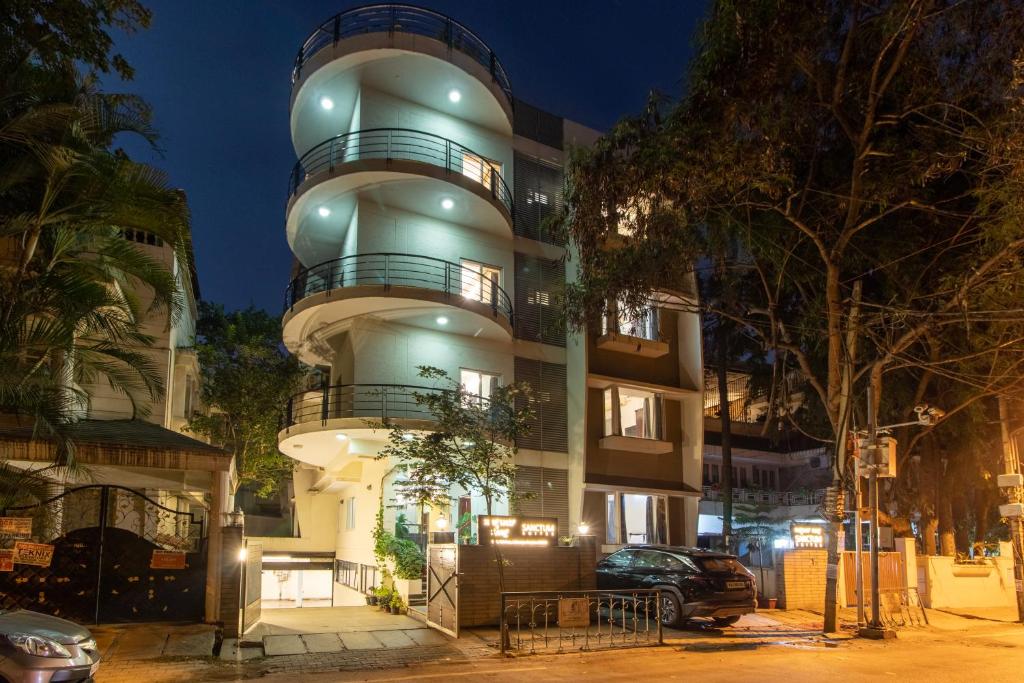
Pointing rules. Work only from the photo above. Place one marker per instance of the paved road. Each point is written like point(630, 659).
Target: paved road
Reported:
point(993, 654)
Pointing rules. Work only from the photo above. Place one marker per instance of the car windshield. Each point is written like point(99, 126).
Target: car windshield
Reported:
point(720, 565)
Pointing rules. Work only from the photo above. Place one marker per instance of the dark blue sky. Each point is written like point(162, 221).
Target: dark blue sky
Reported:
point(217, 75)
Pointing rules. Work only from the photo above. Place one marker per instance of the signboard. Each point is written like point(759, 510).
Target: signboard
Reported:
point(167, 559)
point(517, 530)
point(16, 527)
point(6, 560)
point(37, 554)
point(807, 535)
point(573, 612)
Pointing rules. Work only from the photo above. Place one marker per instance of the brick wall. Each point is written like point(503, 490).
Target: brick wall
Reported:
point(526, 569)
point(230, 579)
point(800, 579)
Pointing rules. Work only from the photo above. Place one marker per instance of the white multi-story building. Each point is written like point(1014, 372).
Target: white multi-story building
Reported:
point(416, 216)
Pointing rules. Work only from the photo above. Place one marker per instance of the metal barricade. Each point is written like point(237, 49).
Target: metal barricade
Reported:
point(557, 621)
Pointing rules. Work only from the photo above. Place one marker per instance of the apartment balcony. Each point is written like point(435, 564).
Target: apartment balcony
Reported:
point(412, 53)
point(417, 290)
point(319, 426)
point(411, 170)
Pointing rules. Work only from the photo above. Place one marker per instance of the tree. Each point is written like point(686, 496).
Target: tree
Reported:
point(71, 286)
point(868, 157)
point(246, 380)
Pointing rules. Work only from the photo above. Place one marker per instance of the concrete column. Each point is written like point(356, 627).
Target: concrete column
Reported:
point(214, 543)
point(907, 548)
point(231, 588)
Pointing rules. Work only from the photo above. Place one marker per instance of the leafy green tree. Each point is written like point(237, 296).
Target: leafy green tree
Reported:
point(247, 378)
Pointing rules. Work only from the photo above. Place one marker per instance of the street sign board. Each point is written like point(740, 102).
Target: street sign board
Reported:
point(517, 530)
point(38, 554)
point(16, 527)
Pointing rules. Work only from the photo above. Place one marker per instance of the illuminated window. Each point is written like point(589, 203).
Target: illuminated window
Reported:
point(538, 298)
point(643, 325)
point(636, 518)
point(480, 282)
point(478, 385)
point(632, 412)
point(536, 197)
point(480, 169)
point(350, 513)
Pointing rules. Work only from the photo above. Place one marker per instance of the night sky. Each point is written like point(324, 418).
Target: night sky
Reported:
point(217, 75)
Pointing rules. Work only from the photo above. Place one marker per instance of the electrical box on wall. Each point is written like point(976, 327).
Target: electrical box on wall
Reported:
point(1012, 510)
point(1009, 481)
point(881, 457)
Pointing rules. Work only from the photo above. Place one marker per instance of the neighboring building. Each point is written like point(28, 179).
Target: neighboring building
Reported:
point(779, 476)
point(416, 217)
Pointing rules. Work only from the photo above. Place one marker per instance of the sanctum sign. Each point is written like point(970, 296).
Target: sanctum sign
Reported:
point(807, 535)
point(517, 530)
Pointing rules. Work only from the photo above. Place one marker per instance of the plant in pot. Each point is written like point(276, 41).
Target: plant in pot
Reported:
point(371, 595)
point(383, 596)
point(397, 604)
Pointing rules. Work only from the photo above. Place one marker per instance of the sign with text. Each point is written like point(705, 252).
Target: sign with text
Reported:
point(573, 612)
point(808, 535)
point(6, 560)
point(37, 554)
point(167, 559)
point(16, 527)
point(517, 530)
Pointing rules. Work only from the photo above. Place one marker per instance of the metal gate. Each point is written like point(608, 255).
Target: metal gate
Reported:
point(103, 568)
point(890, 574)
point(443, 588)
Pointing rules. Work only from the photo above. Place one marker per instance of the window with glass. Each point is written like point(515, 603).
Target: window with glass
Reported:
point(643, 325)
point(480, 282)
point(350, 513)
point(632, 412)
point(636, 518)
point(478, 385)
point(481, 169)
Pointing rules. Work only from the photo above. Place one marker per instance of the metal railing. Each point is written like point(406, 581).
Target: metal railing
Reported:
point(375, 402)
point(418, 21)
point(554, 621)
point(761, 496)
point(401, 144)
point(403, 270)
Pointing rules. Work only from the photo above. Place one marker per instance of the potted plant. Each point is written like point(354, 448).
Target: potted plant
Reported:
point(396, 603)
point(371, 595)
point(383, 597)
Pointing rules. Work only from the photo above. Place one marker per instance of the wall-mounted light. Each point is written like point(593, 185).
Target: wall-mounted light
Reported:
point(441, 523)
point(583, 529)
point(447, 203)
point(327, 103)
point(441, 320)
point(454, 96)
point(242, 554)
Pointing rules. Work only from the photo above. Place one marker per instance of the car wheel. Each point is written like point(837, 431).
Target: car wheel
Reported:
point(726, 621)
point(670, 612)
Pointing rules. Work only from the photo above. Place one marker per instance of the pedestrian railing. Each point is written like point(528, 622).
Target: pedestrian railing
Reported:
point(558, 621)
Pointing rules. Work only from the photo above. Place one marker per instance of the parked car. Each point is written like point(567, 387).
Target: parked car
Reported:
point(693, 582)
point(38, 648)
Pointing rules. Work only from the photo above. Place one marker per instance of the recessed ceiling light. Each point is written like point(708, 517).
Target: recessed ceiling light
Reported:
point(324, 212)
point(296, 445)
point(447, 203)
point(327, 103)
point(407, 437)
point(442, 320)
point(340, 437)
point(454, 96)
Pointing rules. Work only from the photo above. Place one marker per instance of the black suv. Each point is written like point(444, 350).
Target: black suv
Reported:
point(693, 582)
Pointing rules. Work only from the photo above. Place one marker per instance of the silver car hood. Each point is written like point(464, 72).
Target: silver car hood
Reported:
point(23, 621)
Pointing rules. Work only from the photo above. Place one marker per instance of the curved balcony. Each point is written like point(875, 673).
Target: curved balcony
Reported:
point(397, 286)
point(379, 151)
point(391, 19)
point(318, 424)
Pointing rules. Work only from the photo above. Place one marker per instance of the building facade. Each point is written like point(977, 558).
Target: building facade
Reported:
point(416, 215)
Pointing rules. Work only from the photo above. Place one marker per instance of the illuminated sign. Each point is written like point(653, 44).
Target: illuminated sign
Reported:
point(516, 530)
point(808, 535)
point(38, 554)
point(16, 527)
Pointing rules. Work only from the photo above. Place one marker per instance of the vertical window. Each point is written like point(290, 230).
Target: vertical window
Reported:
point(350, 513)
point(611, 524)
point(643, 325)
point(478, 385)
point(632, 412)
point(483, 170)
point(188, 396)
point(636, 518)
point(480, 282)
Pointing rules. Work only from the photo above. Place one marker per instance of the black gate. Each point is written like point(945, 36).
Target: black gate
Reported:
point(104, 538)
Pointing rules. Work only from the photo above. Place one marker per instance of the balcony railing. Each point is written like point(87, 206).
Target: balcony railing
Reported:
point(401, 144)
point(402, 19)
point(374, 402)
point(403, 270)
point(765, 497)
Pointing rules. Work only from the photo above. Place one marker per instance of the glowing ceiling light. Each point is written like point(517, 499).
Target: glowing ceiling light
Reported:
point(327, 103)
point(324, 212)
point(340, 437)
point(407, 437)
point(442, 320)
point(447, 203)
point(454, 96)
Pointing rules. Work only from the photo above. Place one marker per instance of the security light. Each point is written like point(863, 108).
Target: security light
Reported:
point(327, 103)
point(454, 96)
point(324, 212)
point(442, 320)
point(447, 203)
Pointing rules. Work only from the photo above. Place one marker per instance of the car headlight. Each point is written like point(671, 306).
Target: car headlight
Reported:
point(38, 646)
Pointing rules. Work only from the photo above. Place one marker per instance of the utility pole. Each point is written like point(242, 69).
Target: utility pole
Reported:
point(875, 628)
point(858, 524)
point(1014, 495)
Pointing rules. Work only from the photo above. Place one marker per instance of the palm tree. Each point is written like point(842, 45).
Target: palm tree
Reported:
point(70, 304)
